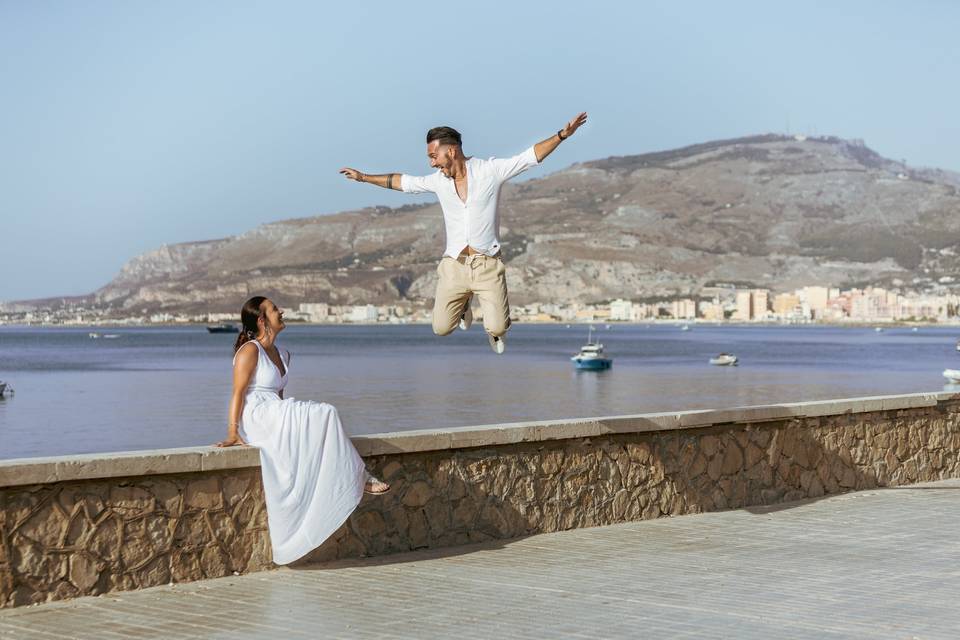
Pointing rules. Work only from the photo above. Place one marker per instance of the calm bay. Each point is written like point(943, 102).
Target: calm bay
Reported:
point(162, 387)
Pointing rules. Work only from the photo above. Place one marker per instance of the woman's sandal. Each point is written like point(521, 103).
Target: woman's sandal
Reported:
point(375, 487)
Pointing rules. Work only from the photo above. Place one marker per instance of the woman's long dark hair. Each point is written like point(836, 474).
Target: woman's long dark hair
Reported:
point(250, 313)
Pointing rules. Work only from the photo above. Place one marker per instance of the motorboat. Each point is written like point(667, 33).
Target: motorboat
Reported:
point(591, 356)
point(111, 336)
point(958, 345)
point(685, 327)
point(953, 375)
point(878, 329)
point(3, 387)
point(725, 360)
point(222, 328)
point(94, 335)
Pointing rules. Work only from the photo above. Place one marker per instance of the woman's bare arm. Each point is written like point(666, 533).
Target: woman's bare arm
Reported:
point(243, 368)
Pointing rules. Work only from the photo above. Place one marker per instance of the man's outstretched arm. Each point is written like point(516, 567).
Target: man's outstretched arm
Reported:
point(545, 148)
point(385, 180)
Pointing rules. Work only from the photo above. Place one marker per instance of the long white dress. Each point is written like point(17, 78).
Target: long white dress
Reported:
point(313, 477)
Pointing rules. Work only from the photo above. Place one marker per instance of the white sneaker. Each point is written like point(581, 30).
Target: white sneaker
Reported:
point(467, 318)
point(499, 345)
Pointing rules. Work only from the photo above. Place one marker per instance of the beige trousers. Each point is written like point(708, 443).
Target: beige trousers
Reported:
point(459, 281)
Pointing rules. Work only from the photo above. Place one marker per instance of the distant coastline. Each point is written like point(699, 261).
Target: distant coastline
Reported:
point(955, 322)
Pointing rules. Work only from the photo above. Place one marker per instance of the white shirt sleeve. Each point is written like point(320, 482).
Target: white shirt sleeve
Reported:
point(418, 184)
point(510, 167)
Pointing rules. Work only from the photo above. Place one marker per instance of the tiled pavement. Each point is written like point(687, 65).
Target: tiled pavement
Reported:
point(874, 564)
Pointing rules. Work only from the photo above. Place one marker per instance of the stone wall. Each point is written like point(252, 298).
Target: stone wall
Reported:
point(444, 498)
point(63, 540)
point(88, 525)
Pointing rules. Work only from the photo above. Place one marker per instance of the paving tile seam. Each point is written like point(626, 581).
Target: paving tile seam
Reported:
point(164, 611)
point(746, 616)
point(127, 618)
point(214, 626)
point(426, 574)
point(41, 633)
point(187, 618)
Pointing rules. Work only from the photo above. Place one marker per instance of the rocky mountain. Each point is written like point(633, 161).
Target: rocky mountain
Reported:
point(768, 211)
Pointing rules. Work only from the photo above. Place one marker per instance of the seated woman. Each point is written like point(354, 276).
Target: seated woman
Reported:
point(313, 477)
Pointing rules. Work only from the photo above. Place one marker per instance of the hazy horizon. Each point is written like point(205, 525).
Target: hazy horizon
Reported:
point(126, 127)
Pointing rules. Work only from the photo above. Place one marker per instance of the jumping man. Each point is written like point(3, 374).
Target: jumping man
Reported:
point(469, 190)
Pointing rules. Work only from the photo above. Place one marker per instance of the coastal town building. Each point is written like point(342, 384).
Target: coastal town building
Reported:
point(621, 310)
point(684, 309)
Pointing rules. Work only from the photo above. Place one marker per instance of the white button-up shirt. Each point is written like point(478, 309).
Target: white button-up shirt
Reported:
point(475, 222)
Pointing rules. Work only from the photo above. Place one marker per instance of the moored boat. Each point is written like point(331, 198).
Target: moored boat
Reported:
point(953, 375)
point(591, 356)
point(725, 360)
point(222, 328)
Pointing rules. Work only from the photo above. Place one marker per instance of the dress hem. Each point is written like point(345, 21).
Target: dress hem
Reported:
point(300, 549)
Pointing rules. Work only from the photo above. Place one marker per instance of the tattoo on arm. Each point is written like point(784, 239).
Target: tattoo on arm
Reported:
point(383, 180)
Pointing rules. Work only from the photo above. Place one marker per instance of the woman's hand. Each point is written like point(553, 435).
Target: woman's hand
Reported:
point(233, 439)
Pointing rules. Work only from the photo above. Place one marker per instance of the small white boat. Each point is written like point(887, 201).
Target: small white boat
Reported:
point(915, 329)
point(685, 327)
point(953, 375)
point(591, 357)
point(958, 345)
point(724, 360)
point(111, 336)
point(878, 329)
point(94, 335)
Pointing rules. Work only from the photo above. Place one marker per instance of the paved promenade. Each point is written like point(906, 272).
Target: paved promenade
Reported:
point(875, 564)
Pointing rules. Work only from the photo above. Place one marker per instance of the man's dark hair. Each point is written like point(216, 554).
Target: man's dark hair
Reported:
point(444, 135)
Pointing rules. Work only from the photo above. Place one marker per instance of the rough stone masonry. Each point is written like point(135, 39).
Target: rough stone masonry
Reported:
point(63, 538)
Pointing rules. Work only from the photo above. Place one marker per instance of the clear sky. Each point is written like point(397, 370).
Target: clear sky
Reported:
point(127, 125)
